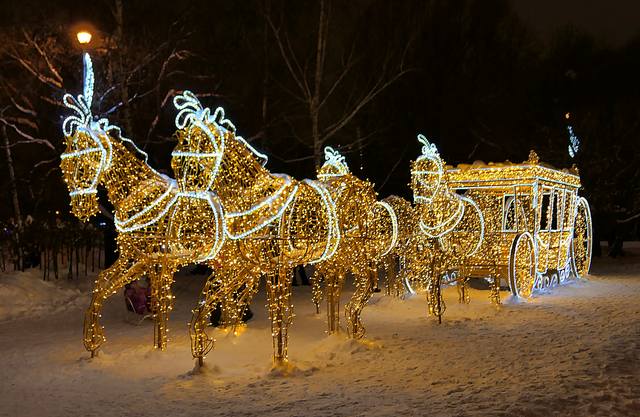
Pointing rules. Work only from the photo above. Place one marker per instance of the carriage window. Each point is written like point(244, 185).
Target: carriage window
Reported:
point(556, 211)
point(544, 211)
point(461, 191)
point(552, 223)
point(509, 223)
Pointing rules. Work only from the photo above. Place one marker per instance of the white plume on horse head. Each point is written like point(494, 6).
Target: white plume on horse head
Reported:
point(191, 110)
point(81, 105)
point(334, 158)
point(429, 150)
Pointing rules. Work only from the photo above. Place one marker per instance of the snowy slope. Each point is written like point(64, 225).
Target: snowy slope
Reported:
point(573, 352)
point(24, 294)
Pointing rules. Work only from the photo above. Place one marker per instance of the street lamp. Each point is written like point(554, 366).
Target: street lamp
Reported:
point(84, 37)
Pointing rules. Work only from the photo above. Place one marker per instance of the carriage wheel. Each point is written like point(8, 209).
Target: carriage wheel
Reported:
point(522, 265)
point(581, 243)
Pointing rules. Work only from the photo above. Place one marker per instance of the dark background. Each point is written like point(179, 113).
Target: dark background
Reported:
point(485, 80)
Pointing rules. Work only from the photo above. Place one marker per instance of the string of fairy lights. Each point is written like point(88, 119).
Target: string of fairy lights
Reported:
point(523, 225)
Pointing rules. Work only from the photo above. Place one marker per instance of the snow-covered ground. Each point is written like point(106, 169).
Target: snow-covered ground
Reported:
point(25, 294)
point(572, 352)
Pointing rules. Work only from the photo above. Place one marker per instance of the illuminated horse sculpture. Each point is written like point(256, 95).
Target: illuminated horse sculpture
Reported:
point(368, 231)
point(161, 227)
point(272, 222)
point(450, 226)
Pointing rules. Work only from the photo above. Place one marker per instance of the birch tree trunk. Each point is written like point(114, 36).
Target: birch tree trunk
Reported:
point(13, 189)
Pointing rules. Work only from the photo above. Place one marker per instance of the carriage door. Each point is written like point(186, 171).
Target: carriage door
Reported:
point(546, 219)
point(549, 237)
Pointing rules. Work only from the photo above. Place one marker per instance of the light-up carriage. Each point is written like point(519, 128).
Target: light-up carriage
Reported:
point(537, 228)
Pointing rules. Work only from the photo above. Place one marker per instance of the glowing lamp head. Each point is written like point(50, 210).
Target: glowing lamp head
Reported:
point(84, 37)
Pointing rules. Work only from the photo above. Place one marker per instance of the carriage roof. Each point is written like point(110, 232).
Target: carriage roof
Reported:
point(508, 175)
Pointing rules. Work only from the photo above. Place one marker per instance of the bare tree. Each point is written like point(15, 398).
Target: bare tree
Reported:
point(315, 86)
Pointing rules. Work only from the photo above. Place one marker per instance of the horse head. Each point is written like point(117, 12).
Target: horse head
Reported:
point(353, 196)
point(204, 139)
point(88, 151)
point(427, 173)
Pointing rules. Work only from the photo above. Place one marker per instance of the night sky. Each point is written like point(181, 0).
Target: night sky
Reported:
point(486, 80)
point(612, 21)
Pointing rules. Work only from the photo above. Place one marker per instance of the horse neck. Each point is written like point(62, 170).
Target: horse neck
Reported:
point(444, 202)
point(359, 196)
point(241, 177)
point(124, 174)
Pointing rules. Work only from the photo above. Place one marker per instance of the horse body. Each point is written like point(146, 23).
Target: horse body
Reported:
point(149, 215)
point(354, 198)
point(272, 222)
point(368, 229)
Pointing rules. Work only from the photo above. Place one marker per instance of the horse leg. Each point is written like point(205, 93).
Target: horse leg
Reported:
point(108, 282)
point(494, 296)
point(201, 342)
point(334, 284)
point(463, 288)
point(316, 288)
point(280, 312)
point(161, 275)
point(434, 297)
point(215, 290)
point(353, 309)
point(238, 298)
point(391, 281)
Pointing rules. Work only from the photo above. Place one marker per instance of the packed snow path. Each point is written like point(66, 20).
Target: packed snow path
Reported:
point(573, 352)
